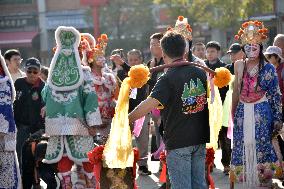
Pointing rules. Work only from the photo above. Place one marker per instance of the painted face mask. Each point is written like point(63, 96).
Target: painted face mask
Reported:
point(100, 61)
point(252, 50)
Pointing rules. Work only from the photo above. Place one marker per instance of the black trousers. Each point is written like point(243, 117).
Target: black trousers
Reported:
point(225, 144)
point(47, 174)
point(33, 170)
point(281, 145)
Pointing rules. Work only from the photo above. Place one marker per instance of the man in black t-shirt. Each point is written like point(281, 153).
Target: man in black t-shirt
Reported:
point(181, 94)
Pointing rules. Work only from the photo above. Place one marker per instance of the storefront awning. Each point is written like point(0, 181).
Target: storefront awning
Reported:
point(16, 39)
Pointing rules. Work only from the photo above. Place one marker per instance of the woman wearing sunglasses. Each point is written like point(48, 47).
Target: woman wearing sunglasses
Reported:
point(257, 112)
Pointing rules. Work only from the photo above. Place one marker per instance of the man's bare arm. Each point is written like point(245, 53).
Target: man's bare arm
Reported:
point(143, 108)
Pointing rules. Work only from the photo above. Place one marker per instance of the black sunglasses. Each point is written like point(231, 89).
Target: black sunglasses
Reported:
point(34, 72)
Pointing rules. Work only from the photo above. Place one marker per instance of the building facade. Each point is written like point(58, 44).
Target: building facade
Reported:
point(29, 25)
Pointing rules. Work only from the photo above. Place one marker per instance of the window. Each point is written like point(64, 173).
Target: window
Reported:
point(16, 1)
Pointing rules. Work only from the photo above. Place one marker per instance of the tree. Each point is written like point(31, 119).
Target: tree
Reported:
point(218, 13)
point(128, 23)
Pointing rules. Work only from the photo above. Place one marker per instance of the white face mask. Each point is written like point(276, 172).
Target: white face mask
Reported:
point(100, 61)
point(252, 50)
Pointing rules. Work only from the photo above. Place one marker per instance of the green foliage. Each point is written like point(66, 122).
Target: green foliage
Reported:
point(128, 23)
point(218, 13)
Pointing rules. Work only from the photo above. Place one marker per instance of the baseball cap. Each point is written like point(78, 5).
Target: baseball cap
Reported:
point(274, 50)
point(32, 63)
point(234, 48)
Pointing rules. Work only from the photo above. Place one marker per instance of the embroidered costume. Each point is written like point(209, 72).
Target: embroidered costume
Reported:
point(104, 84)
point(71, 107)
point(10, 177)
point(254, 161)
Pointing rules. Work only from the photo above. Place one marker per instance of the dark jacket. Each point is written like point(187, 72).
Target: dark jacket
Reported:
point(218, 64)
point(28, 104)
point(155, 75)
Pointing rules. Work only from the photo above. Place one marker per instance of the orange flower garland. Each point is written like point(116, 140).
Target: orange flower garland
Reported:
point(118, 148)
point(222, 77)
point(138, 76)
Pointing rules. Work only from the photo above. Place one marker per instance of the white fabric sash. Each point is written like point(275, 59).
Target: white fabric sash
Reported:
point(249, 156)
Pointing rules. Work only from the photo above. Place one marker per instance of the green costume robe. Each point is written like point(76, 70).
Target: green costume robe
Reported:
point(71, 103)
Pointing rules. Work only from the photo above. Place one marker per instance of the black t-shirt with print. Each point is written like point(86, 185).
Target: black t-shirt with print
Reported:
point(182, 91)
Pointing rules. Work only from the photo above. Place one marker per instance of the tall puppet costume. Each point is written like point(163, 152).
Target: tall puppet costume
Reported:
point(104, 84)
point(9, 168)
point(257, 112)
point(71, 108)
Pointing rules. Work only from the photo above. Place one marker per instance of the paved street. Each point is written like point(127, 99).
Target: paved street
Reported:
point(152, 181)
point(221, 181)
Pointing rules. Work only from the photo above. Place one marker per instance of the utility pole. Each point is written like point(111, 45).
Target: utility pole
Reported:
point(279, 12)
point(95, 5)
point(43, 32)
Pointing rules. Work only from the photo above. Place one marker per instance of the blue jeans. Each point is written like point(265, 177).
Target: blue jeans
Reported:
point(186, 167)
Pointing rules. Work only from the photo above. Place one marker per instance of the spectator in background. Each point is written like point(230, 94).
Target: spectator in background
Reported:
point(274, 55)
point(199, 51)
point(279, 42)
point(116, 67)
point(236, 53)
point(157, 60)
point(44, 73)
point(28, 105)
point(13, 60)
point(213, 49)
point(134, 57)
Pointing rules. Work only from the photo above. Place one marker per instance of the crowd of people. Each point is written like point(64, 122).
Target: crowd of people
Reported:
point(52, 117)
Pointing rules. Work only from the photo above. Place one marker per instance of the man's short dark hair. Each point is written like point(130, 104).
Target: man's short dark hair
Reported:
point(158, 36)
point(173, 44)
point(213, 44)
point(11, 52)
point(197, 44)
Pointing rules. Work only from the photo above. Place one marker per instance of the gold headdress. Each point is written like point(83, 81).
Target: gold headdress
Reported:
point(252, 32)
point(99, 49)
point(182, 27)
